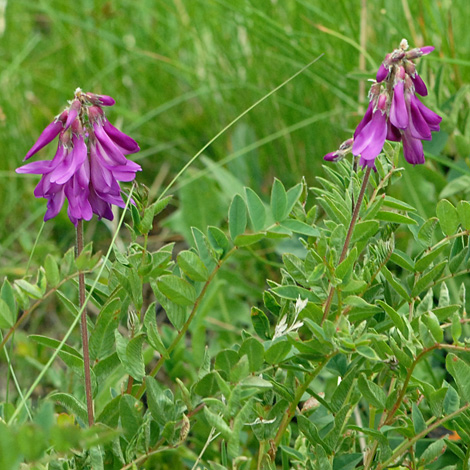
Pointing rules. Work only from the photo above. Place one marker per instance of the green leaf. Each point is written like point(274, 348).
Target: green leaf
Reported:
point(388, 216)
point(7, 317)
point(373, 394)
point(432, 453)
point(364, 230)
point(463, 210)
point(218, 240)
point(395, 284)
point(448, 217)
point(248, 239)
point(72, 404)
point(428, 257)
point(322, 460)
point(241, 418)
point(218, 423)
point(130, 412)
point(419, 423)
point(153, 336)
point(293, 195)
point(460, 371)
point(394, 316)
point(256, 210)
point(451, 401)
point(310, 431)
point(130, 354)
point(135, 359)
point(177, 290)
point(207, 386)
point(434, 327)
point(423, 282)
point(161, 406)
point(293, 292)
point(29, 289)
point(202, 244)
point(277, 351)
point(254, 351)
point(345, 268)
point(426, 231)
point(278, 201)
point(237, 217)
point(260, 323)
point(456, 328)
point(192, 266)
point(226, 359)
point(54, 344)
point(347, 461)
point(177, 314)
point(102, 337)
point(297, 226)
point(397, 204)
point(367, 352)
point(52, 270)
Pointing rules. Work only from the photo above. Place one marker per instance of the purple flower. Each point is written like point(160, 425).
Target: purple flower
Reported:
point(394, 112)
point(89, 161)
point(369, 141)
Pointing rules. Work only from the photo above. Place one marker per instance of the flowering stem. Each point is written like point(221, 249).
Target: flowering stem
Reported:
point(83, 328)
point(344, 252)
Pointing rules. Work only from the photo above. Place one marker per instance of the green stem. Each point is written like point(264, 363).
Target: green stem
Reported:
point(185, 327)
point(344, 252)
point(287, 418)
point(83, 328)
point(405, 445)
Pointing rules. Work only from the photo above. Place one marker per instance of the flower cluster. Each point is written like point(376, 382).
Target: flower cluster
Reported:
point(89, 162)
point(394, 112)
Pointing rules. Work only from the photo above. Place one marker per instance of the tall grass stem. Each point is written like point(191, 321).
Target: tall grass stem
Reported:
point(84, 329)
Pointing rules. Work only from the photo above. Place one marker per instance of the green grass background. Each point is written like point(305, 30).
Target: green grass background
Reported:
point(181, 70)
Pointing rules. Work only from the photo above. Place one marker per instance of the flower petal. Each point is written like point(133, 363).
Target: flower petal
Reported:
point(431, 117)
point(412, 149)
point(420, 86)
point(54, 204)
point(398, 111)
point(35, 168)
point(381, 73)
point(47, 136)
point(121, 139)
point(108, 145)
point(419, 128)
point(367, 117)
point(370, 141)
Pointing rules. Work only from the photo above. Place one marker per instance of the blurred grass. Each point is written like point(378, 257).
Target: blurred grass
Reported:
point(181, 70)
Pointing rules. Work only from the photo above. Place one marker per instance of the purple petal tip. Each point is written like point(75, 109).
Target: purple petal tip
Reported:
point(427, 49)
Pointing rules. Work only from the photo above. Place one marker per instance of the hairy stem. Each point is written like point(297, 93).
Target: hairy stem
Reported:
point(344, 252)
point(83, 328)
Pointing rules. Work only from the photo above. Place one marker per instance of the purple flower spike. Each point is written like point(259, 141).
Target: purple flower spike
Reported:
point(88, 164)
point(394, 112)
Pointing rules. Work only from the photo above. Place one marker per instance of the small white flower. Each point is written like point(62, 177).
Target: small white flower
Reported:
point(300, 305)
point(282, 328)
